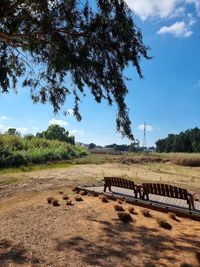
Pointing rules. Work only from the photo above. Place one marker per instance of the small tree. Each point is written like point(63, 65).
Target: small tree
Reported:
point(56, 132)
point(13, 131)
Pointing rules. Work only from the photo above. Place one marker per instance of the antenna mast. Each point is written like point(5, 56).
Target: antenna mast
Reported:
point(145, 137)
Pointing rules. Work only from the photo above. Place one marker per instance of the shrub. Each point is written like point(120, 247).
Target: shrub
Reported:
point(17, 151)
point(124, 217)
point(118, 208)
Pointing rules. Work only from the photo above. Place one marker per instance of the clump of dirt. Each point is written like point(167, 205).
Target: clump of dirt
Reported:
point(118, 208)
point(78, 198)
point(197, 253)
point(146, 212)
point(60, 192)
point(55, 202)
point(83, 193)
point(65, 197)
point(124, 217)
point(119, 201)
point(131, 210)
point(69, 203)
point(163, 223)
point(49, 200)
point(172, 216)
point(104, 199)
point(184, 264)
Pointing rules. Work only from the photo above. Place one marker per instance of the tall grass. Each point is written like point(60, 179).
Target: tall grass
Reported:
point(17, 151)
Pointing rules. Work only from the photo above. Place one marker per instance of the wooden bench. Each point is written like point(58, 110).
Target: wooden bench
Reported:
point(167, 191)
point(119, 182)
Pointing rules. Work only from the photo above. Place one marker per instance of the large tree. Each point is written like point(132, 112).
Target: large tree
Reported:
point(61, 47)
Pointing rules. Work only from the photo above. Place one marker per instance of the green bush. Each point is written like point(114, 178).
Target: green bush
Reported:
point(18, 151)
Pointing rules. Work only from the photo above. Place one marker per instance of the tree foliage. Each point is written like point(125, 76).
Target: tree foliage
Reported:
point(56, 132)
point(61, 47)
point(188, 141)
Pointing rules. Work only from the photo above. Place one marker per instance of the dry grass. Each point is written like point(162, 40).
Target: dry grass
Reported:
point(191, 160)
point(118, 208)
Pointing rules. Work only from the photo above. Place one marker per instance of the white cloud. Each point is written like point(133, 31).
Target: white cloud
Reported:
point(178, 29)
point(163, 9)
point(3, 118)
point(22, 130)
point(70, 111)
point(59, 122)
point(77, 132)
point(146, 9)
point(149, 128)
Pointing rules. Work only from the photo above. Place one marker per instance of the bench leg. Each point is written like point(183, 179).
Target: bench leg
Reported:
point(110, 188)
point(104, 188)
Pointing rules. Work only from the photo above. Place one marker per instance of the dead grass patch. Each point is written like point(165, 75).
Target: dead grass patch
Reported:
point(197, 253)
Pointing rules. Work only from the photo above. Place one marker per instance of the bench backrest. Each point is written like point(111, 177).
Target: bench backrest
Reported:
point(165, 190)
point(119, 182)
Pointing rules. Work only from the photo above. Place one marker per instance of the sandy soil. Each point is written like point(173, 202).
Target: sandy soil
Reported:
point(34, 233)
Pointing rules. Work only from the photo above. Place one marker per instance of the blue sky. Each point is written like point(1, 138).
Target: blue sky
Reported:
point(167, 99)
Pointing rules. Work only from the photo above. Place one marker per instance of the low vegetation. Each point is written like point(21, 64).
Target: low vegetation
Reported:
point(18, 151)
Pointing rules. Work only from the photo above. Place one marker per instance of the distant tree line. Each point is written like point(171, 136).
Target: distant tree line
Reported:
point(133, 147)
point(53, 132)
point(188, 141)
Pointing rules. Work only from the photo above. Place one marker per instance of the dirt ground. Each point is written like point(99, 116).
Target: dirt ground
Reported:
point(36, 234)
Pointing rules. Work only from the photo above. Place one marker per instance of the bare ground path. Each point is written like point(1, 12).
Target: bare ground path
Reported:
point(35, 234)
